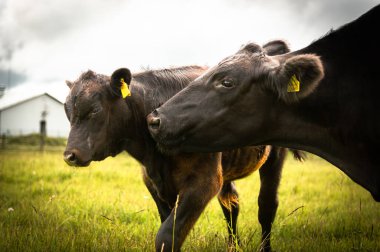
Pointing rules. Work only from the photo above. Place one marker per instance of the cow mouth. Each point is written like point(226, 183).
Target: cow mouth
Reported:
point(78, 163)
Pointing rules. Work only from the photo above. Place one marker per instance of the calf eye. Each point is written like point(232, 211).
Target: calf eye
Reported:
point(93, 113)
point(227, 83)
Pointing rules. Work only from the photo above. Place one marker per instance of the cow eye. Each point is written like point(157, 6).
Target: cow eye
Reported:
point(93, 113)
point(227, 83)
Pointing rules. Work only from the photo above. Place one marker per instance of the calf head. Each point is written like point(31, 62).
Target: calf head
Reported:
point(98, 117)
point(235, 101)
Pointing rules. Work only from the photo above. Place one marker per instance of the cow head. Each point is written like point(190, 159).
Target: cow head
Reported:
point(235, 101)
point(98, 116)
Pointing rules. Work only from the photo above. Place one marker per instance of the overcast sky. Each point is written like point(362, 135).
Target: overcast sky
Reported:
point(45, 42)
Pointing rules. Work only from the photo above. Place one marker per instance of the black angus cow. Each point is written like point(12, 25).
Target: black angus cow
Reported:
point(323, 99)
point(104, 124)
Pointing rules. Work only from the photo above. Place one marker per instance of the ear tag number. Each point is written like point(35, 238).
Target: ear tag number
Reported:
point(294, 84)
point(124, 89)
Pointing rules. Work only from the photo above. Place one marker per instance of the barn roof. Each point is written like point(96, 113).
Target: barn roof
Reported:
point(13, 97)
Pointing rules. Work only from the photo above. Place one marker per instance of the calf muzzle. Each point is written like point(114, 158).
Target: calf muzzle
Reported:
point(72, 158)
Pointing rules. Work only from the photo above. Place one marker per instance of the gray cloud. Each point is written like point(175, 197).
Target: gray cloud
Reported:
point(9, 78)
point(319, 13)
point(8, 47)
point(25, 22)
point(50, 19)
point(331, 13)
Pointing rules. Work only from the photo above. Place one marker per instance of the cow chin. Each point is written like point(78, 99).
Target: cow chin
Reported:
point(173, 146)
point(167, 149)
point(84, 164)
point(170, 146)
point(101, 155)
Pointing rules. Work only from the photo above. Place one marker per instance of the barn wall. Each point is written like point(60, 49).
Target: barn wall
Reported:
point(24, 118)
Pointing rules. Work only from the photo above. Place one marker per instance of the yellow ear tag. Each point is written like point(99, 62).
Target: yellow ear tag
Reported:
point(294, 84)
point(124, 89)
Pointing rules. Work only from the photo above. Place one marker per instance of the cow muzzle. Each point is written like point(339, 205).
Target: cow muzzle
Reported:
point(73, 158)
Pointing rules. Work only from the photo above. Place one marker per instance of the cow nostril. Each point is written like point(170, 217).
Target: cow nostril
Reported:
point(70, 158)
point(153, 120)
point(154, 123)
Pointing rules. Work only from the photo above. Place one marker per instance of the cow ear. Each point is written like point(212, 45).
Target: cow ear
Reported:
point(250, 48)
point(276, 47)
point(297, 76)
point(120, 81)
point(69, 84)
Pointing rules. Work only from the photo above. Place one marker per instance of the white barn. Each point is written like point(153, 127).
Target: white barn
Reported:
point(21, 114)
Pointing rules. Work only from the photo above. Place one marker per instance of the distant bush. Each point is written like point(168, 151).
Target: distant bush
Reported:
point(34, 140)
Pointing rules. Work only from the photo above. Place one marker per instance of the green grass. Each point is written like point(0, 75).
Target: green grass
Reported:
point(47, 206)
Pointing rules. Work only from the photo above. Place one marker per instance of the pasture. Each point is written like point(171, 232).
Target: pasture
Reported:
point(46, 205)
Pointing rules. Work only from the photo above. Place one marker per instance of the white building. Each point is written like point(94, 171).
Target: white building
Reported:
point(22, 111)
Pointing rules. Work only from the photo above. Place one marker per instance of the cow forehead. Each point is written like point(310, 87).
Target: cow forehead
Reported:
point(90, 82)
point(244, 62)
point(234, 62)
point(85, 88)
point(83, 96)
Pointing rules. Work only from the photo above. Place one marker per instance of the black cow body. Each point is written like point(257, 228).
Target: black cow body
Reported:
point(335, 114)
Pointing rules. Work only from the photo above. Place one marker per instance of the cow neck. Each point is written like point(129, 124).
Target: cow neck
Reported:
point(294, 131)
point(141, 145)
point(337, 119)
point(143, 148)
point(331, 122)
point(136, 129)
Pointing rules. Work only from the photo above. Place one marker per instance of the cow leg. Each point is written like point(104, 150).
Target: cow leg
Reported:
point(270, 175)
point(190, 206)
point(162, 206)
point(197, 187)
point(229, 201)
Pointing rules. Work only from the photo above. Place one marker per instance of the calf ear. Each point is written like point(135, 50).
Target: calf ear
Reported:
point(120, 81)
point(297, 77)
point(69, 84)
point(276, 47)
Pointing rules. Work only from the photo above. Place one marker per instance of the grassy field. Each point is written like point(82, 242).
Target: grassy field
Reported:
point(47, 206)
